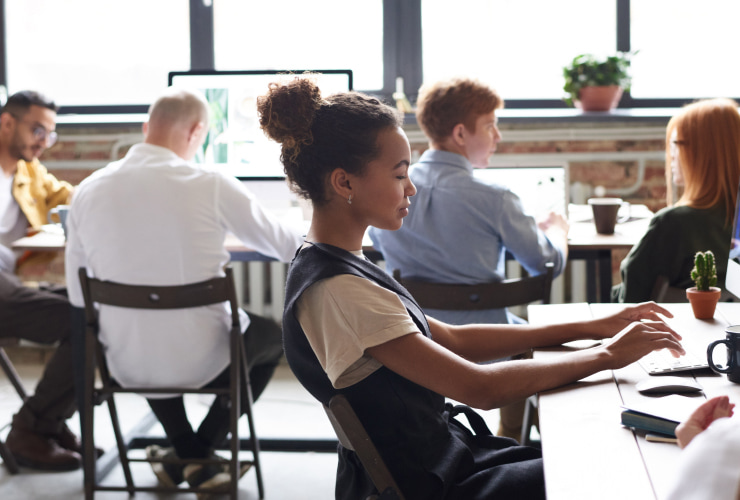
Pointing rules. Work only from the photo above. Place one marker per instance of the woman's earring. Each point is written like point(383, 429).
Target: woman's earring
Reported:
point(349, 200)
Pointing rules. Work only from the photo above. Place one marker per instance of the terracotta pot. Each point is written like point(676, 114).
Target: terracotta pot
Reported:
point(600, 98)
point(703, 303)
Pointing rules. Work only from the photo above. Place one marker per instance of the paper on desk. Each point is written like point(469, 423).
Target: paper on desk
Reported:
point(52, 229)
point(673, 407)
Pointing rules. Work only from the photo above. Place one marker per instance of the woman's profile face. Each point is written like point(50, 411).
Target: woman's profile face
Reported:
point(381, 194)
point(675, 159)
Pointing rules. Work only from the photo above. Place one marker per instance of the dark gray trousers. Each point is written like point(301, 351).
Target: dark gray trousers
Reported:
point(44, 317)
point(264, 348)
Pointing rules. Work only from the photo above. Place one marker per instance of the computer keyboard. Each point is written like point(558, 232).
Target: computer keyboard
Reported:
point(663, 362)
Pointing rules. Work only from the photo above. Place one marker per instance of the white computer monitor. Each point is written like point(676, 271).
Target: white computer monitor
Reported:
point(541, 188)
point(236, 143)
point(732, 282)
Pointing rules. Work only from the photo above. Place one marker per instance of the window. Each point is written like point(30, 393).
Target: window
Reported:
point(296, 34)
point(114, 55)
point(685, 48)
point(92, 52)
point(520, 47)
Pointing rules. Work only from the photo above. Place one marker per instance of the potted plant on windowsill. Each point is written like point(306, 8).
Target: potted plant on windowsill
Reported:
point(705, 295)
point(597, 84)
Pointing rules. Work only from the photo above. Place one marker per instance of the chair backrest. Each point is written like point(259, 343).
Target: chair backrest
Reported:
point(352, 435)
point(496, 295)
point(212, 291)
point(663, 292)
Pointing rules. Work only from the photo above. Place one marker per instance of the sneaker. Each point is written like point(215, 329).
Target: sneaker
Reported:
point(210, 476)
point(169, 473)
point(243, 468)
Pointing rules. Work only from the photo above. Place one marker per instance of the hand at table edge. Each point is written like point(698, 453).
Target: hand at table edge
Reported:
point(709, 411)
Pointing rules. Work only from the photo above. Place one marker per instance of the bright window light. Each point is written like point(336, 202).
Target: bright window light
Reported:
point(96, 52)
point(300, 34)
point(686, 49)
point(518, 47)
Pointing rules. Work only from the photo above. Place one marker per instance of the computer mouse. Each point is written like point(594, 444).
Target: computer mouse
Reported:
point(664, 385)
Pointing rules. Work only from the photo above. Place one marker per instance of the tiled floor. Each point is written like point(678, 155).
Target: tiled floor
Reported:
point(284, 410)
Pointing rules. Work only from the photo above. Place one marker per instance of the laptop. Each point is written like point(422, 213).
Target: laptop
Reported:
point(541, 189)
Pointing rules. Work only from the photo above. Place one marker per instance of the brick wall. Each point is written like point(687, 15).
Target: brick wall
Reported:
point(81, 150)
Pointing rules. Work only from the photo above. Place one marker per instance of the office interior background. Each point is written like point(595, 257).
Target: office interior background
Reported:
point(104, 61)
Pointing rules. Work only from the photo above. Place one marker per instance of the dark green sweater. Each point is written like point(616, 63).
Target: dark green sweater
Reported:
point(667, 249)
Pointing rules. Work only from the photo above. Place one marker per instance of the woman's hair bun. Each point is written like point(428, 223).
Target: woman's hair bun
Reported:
point(287, 111)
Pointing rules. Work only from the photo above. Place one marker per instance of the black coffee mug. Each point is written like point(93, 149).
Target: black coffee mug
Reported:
point(732, 343)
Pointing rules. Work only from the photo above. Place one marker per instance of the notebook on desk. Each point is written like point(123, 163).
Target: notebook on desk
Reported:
point(661, 415)
point(542, 189)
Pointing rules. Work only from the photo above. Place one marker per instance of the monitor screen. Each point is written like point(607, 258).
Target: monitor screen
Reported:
point(732, 282)
point(541, 189)
point(235, 141)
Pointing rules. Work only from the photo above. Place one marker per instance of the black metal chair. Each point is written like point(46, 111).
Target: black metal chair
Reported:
point(15, 380)
point(495, 295)
point(352, 435)
point(213, 291)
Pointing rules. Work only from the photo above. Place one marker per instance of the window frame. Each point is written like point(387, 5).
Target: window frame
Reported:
point(402, 57)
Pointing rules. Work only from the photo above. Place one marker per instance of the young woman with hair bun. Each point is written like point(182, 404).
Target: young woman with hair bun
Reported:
point(349, 328)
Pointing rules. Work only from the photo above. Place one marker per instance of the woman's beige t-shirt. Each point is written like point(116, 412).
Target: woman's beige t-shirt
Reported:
point(344, 315)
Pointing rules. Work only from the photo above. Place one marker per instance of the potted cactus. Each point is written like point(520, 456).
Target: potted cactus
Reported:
point(705, 295)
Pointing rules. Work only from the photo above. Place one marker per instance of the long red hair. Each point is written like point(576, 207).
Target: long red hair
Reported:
point(708, 139)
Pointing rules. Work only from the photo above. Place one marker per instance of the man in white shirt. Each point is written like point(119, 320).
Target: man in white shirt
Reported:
point(155, 218)
point(39, 437)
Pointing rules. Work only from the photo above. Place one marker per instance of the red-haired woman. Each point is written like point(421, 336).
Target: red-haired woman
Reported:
point(703, 161)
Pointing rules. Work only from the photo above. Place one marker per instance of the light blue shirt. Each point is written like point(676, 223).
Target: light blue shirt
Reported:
point(458, 230)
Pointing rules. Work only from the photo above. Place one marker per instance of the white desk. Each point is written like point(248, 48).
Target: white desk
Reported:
point(596, 249)
point(587, 453)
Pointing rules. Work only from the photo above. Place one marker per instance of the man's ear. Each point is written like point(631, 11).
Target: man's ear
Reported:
point(196, 132)
point(7, 122)
point(459, 133)
point(145, 128)
point(341, 183)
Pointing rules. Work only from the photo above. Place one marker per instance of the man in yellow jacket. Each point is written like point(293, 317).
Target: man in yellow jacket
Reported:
point(39, 437)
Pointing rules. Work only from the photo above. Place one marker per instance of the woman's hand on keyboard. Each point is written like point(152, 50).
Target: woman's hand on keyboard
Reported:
point(648, 312)
point(638, 339)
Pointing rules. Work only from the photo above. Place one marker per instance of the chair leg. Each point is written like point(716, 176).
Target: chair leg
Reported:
point(15, 380)
point(234, 413)
point(530, 410)
point(12, 375)
point(122, 446)
point(250, 421)
point(87, 420)
point(8, 458)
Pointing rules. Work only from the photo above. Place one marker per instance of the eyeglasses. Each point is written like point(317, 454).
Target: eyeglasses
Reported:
point(49, 137)
point(41, 134)
point(674, 144)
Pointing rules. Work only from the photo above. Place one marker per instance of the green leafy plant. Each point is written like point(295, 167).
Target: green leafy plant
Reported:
point(586, 71)
point(704, 273)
